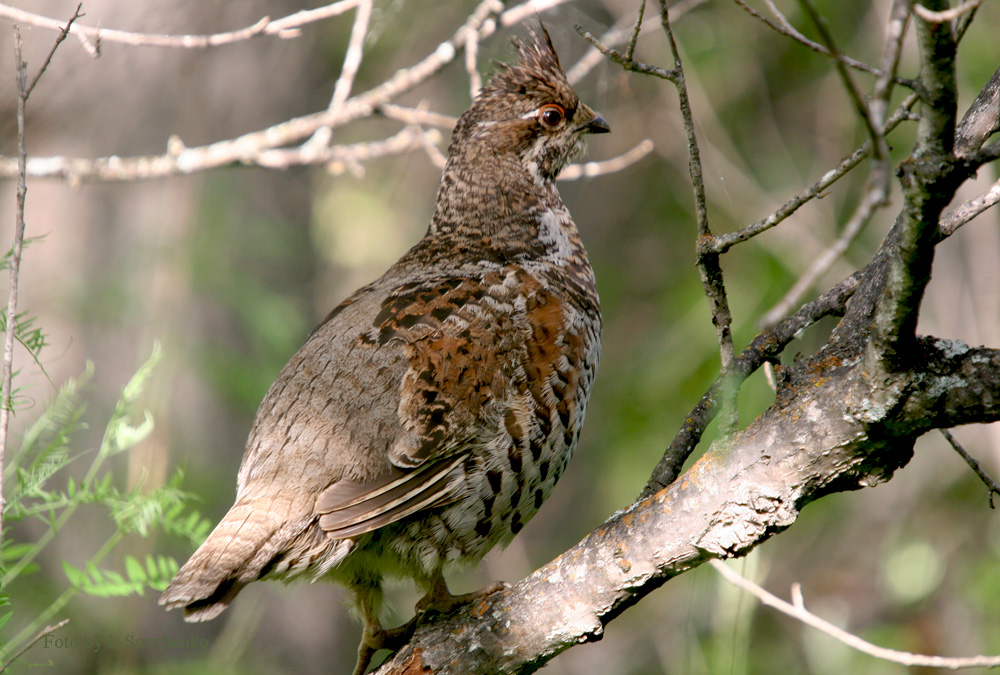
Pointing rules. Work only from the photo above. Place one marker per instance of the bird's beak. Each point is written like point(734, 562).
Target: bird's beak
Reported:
point(596, 126)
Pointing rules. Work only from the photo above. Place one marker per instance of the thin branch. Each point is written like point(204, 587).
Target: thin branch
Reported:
point(796, 609)
point(7, 375)
point(708, 263)
point(45, 631)
point(248, 148)
point(418, 116)
point(345, 81)
point(636, 27)
point(785, 28)
point(55, 45)
point(767, 345)
point(286, 27)
point(619, 58)
point(594, 169)
point(621, 32)
point(6, 402)
point(879, 178)
point(822, 264)
point(960, 215)
point(349, 158)
point(724, 242)
point(946, 15)
point(892, 47)
point(991, 485)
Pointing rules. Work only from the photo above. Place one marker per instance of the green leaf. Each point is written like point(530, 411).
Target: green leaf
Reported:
point(76, 577)
point(135, 571)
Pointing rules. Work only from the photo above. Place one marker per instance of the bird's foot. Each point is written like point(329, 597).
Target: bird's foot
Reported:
point(440, 599)
point(376, 638)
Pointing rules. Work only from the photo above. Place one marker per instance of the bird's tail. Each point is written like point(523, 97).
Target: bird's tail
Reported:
point(244, 546)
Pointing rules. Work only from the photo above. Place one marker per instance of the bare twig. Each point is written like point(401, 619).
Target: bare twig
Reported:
point(619, 58)
point(636, 27)
point(796, 609)
point(784, 27)
point(892, 46)
point(418, 116)
point(960, 215)
point(286, 27)
point(31, 643)
point(593, 169)
point(991, 485)
point(348, 71)
point(248, 148)
point(618, 34)
point(349, 158)
point(880, 150)
point(21, 76)
point(944, 16)
point(55, 45)
point(822, 264)
point(723, 242)
point(708, 263)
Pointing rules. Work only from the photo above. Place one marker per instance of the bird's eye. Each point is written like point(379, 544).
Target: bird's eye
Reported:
point(551, 115)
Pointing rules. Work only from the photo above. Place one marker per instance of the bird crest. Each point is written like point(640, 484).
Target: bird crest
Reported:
point(539, 63)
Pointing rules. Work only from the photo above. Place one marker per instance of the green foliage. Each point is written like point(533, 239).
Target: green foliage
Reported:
point(26, 332)
point(155, 574)
point(38, 490)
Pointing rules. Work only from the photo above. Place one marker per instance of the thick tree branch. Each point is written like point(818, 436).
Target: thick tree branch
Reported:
point(736, 496)
point(929, 179)
point(981, 120)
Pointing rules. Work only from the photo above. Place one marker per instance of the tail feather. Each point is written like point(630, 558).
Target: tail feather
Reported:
point(243, 547)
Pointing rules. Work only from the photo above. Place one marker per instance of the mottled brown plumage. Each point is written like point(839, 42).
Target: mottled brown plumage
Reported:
point(431, 413)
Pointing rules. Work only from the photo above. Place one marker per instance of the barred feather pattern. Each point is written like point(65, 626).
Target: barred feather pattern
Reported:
point(429, 416)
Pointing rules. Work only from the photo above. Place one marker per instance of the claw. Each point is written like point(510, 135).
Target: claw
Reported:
point(375, 638)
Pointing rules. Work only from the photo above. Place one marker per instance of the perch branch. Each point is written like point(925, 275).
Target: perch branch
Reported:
point(726, 504)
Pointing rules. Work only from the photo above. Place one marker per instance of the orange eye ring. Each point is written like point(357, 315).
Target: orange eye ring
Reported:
point(551, 115)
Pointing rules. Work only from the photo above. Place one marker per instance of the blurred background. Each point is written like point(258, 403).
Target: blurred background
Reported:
point(230, 269)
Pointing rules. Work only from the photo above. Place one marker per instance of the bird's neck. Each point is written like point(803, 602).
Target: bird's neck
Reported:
point(501, 209)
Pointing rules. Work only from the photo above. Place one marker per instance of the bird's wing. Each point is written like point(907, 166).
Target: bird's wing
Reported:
point(461, 349)
point(349, 508)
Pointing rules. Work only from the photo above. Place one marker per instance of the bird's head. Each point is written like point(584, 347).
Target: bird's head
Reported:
point(528, 112)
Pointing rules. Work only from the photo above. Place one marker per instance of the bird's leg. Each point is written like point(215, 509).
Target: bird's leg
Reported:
point(440, 599)
point(375, 637)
